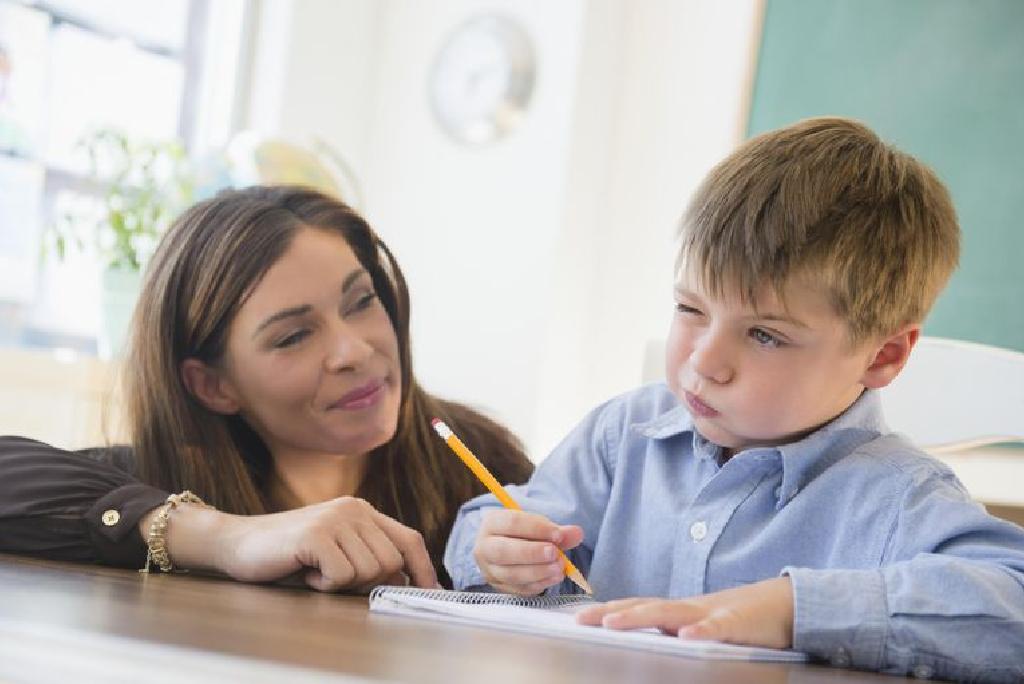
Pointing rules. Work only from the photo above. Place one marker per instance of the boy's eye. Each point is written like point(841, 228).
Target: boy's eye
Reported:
point(765, 339)
point(686, 309)
point(291, 339)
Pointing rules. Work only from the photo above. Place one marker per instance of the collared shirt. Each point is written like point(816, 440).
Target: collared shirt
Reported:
point(894, 568)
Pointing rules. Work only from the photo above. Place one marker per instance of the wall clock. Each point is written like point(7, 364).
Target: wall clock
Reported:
point(482, 79)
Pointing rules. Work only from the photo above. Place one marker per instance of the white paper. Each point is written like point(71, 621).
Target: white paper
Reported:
point(561, 623)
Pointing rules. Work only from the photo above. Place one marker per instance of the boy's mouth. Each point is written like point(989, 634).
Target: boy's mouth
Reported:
point(698, 407)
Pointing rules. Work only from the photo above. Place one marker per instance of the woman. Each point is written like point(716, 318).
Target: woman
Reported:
point(269, 372)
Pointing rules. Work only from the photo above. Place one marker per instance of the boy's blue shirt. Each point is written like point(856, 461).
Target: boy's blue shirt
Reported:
point(893, 566)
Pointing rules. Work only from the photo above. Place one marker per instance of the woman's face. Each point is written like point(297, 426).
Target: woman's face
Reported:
point(312, 359)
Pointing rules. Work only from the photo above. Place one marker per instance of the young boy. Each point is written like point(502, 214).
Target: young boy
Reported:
point(760, 493)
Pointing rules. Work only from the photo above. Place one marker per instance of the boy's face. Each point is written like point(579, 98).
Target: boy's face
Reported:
point(763, 374)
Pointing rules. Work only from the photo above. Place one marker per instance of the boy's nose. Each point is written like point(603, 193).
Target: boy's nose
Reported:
point(710, 360)
point(347, 351)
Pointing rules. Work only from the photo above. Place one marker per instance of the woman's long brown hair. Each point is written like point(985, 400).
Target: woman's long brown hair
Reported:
point(204, 269)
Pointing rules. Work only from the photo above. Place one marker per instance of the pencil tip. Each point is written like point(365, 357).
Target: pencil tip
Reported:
point(580, 581)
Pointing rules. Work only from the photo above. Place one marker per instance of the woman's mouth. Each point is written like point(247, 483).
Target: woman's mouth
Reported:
point(361, 397)
point(698, 407)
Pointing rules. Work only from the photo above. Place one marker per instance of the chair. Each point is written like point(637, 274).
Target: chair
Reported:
point(954, 394)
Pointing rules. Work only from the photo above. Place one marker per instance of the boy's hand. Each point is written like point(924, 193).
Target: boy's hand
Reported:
point(759, 614)
point(517, 551)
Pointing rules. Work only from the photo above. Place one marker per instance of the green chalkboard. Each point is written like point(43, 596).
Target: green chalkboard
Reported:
point(942, 80)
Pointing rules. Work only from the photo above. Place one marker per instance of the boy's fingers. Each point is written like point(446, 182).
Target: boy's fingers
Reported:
point(538, 587)
point(708, 629)
point(523, 575)
point(533, 589)
point(593, 615)
point(510, 551)
point(665, 615)
point(520, 524)
point(569, 536)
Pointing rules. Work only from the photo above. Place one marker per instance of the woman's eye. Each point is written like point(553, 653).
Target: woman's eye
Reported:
point(765, 339)
point(364, 302)
point(292, 339)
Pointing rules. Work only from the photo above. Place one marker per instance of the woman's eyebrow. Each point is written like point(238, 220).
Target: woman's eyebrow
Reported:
point(284, 313)
point(302, 309)
point(352, 278)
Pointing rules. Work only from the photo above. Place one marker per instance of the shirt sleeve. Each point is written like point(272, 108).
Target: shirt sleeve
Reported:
point(570, 486)
point(74, 506)
point(947, 601)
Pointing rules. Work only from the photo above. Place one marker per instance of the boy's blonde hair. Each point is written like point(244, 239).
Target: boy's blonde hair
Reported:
point(825, 200)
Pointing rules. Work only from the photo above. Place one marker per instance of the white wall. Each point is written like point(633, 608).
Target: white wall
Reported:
point(313, 72)
point(540, 265)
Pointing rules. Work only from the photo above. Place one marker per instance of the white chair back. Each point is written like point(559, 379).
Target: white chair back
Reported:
point(953, 392)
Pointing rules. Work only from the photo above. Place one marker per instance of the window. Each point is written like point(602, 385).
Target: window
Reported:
point(70, 67)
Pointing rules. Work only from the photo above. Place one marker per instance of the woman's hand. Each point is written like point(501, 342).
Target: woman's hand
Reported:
point(340, 544)
point(759, 614)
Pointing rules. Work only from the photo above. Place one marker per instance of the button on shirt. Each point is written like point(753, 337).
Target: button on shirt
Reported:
point(892, 564)
point(110, 517)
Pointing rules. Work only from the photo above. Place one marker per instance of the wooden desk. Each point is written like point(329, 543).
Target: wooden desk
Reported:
point(66, 622)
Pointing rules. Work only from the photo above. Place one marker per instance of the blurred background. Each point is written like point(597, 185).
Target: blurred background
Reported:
point(526, 160)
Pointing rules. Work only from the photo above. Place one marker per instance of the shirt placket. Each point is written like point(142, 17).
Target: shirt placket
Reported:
point(703, 522)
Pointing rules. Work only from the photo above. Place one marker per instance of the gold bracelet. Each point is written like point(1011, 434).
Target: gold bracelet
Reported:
point(156, 542)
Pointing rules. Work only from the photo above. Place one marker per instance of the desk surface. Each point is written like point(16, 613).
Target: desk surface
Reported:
point(105, 624)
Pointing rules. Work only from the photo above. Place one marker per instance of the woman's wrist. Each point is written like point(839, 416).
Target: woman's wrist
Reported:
point(192, 534)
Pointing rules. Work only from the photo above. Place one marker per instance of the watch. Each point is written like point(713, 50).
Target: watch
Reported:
point(482, 79)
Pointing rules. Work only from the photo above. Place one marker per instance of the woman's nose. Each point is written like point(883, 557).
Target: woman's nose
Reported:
point(347, 350)
point(711, 360)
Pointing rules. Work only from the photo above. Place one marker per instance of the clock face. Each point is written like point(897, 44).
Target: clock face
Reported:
point(482, 79)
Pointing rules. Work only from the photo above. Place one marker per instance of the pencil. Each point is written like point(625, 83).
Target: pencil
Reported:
point(484, 475)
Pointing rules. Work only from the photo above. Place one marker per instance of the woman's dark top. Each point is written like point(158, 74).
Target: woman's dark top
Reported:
point(72, 505)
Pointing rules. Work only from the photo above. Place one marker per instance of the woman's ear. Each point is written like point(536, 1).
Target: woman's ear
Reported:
point(209, 387)
point(890, 357)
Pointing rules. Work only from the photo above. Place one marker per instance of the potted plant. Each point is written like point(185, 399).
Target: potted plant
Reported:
point(144, 185)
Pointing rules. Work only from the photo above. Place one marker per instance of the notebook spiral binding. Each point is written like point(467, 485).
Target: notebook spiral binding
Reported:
point(481, 598)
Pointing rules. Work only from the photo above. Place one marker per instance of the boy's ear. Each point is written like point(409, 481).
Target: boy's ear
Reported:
point(209, 387)
point(890, 357)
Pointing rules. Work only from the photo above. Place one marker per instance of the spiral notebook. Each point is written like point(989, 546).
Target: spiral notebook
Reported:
point(552, 616)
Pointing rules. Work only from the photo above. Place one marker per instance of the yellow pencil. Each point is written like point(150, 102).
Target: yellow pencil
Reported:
point(484, 475)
